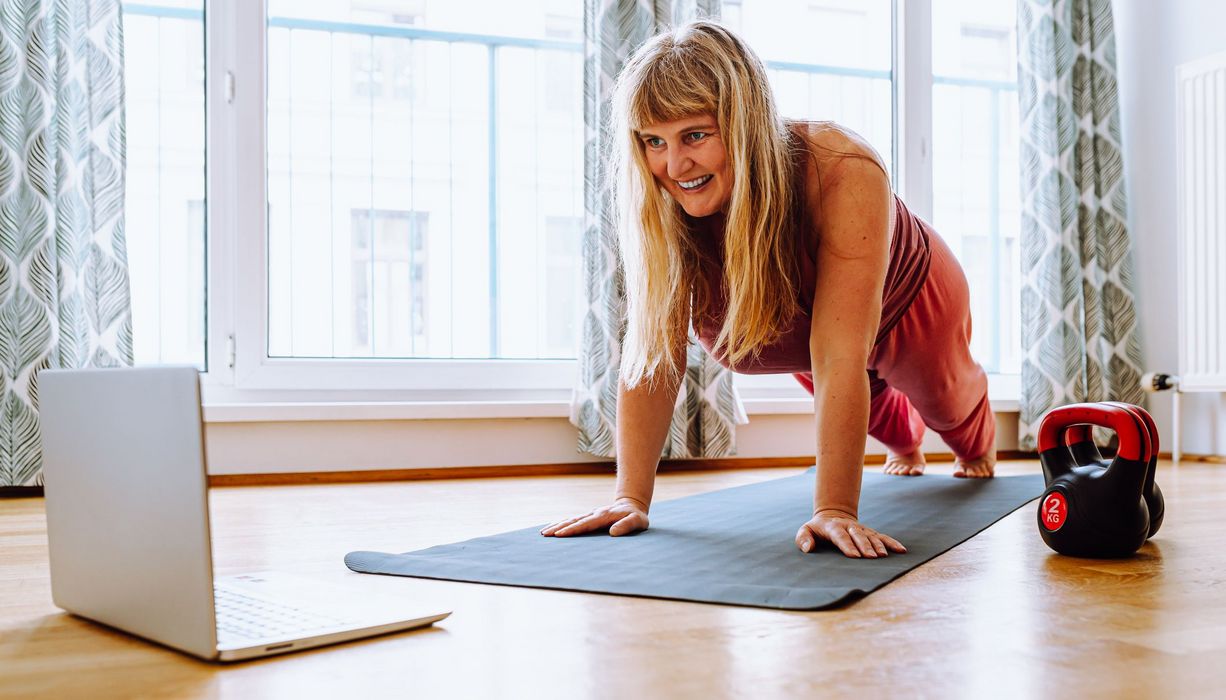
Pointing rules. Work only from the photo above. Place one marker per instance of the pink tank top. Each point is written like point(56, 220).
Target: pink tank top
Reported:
point(909, 260)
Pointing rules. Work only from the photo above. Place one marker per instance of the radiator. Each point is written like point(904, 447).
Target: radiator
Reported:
point(1200, 115)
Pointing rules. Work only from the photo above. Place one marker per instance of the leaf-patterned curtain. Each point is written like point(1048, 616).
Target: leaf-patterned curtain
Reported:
point(1079, 337)
point(707, 407)
point(64, 299)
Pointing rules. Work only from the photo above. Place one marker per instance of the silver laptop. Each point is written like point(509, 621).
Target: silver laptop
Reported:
point(128, 524)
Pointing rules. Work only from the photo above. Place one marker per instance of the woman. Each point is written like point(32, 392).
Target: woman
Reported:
point(783, 246)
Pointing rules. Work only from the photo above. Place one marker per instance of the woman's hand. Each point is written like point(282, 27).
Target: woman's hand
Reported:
point(848, 534)
point(622, 517)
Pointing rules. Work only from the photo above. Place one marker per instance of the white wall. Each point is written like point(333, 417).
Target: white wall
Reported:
point(1152, 38)
point(241, 446)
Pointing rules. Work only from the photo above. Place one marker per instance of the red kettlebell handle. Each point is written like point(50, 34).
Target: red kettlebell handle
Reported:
point(1147, 419)
point(1132, 430)
point(1078, 433)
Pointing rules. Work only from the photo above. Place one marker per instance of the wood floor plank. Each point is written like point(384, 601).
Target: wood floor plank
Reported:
point(999, 616)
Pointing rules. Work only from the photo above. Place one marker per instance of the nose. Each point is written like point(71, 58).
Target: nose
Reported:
point(678, 163)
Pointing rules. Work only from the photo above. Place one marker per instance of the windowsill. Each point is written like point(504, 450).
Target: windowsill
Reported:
point(1002, 392)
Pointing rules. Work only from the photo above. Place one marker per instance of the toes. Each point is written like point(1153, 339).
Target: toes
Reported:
point(903, 469)
point(974, 470)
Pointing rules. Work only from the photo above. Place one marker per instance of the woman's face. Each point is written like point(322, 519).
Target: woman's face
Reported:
point(688, 158)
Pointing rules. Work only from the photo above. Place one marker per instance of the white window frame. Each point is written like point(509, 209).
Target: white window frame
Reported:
point(239, 369)
point(238, 359)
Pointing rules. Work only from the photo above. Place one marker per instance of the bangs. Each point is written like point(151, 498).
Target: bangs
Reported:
point(668, 89)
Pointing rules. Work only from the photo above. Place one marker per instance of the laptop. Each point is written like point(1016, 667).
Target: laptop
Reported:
point(128, 527)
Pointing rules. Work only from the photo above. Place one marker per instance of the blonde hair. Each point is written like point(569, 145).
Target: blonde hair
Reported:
point(702, 67)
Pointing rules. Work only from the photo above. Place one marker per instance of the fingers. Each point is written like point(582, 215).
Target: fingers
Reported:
point(805, 540)
point(842, 539)
point(853, 540)
point(878, 546)
point(631, 523)
point(549, 531)
point(594, 521)
point(893, 544)
point(576, 525)
point(864, 544)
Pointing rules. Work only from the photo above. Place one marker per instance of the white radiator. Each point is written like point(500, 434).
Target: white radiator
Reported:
point(1200, 116)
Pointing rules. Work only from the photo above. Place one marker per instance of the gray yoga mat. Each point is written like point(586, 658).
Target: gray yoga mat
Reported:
point(733, 546)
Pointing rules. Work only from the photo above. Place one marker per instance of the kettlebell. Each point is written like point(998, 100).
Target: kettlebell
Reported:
point(1092, 508)
point(1080, 440)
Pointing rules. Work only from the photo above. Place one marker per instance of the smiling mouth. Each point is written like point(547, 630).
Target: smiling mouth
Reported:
point(695, 184)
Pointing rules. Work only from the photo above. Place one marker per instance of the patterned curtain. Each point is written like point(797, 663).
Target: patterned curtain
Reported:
point(63, 266)
point(1079, 335)
point(707, 407)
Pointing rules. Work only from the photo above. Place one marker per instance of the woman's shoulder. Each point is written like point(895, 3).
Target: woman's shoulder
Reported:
point(835, 149)
point(842, 169)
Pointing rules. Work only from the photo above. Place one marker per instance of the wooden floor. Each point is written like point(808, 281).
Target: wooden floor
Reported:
point(999, 616)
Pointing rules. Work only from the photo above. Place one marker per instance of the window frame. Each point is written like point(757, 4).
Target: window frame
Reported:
point(238, 364)
point(238, 218)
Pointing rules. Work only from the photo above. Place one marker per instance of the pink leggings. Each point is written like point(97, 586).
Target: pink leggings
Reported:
point(922, 372)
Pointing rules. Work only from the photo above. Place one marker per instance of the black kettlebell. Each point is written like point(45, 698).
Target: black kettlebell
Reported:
point(1080, 441)
point(1094, 509)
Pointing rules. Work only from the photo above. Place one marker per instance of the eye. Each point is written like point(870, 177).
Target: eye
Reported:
point(697, 135)
point(654, 141)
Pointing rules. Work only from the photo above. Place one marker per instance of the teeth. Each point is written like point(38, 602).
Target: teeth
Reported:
point(691, 184)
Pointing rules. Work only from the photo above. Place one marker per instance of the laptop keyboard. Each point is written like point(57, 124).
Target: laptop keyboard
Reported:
point(240, 616)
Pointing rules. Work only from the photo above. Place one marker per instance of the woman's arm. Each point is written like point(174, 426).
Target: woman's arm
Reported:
point(643, 416)
point(853, 253)
point(852, 258)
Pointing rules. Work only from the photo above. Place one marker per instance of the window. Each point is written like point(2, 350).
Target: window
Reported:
point(839, 63)
point(563, 282)
point(465, 114)
point(976, 193)
point(165, 214)
point(827, 60)
point(394, 187)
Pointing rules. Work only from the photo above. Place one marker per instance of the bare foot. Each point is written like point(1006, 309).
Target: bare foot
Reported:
point(981, 468)
point(910, 464)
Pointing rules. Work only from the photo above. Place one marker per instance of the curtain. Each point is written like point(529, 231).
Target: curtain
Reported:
point(64, 299)
point(1079, 336)
point(707, 407)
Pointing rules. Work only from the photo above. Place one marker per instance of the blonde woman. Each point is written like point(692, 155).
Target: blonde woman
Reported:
point(783, 246)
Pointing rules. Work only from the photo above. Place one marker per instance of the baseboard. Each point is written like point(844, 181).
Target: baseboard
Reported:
point(1211, 459)
point(576, 468)
point(568, 469)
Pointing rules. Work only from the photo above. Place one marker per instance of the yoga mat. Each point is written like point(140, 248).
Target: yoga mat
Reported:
point(733, 546)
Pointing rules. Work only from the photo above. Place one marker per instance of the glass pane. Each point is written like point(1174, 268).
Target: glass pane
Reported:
point(425, 178)
point(827, 59)
point(165, 213)
point(976, 198)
